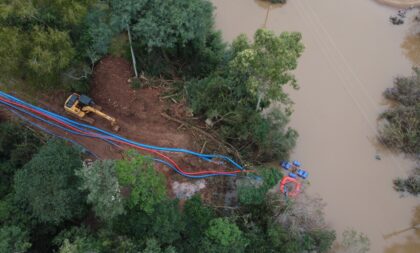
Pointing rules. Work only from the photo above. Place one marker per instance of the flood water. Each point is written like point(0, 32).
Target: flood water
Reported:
point(352, 54)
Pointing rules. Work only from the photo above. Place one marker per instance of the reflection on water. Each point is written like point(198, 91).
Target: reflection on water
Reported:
point(263, 4)
point(411, 43)
point(411, 46)
point(269, 7)
point(411, 243)
point(352, 55)
point(266, 4)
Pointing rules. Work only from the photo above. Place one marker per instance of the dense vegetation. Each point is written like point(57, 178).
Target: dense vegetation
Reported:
point(248, 82)
point(53, 201)
point(401, 130)
point(53, 45)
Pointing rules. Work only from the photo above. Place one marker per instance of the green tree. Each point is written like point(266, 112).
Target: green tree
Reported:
point(411, 184)
point(53, 13)
point(11, 51)
point(17, 145)
point(147, 187)
point(101, 182)
point(170, 37)
point(48, 34)
point(13, 239)
point(231, 110)
point(126, 12)
point(50, 54)
point(152, 246)
point(253, 77)
point(197, 218)
point(81, 239)
point(165, 223)
point(224, 236)
point(96, 33)
point(47, 186)
point(266, 64)
point(401, 130)
point(163, 23)
point(66, 14)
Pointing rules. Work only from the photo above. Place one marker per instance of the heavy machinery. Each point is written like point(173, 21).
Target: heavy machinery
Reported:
point(81, 105)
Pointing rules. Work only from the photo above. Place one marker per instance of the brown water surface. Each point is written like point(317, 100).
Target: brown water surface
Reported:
point(352, 54)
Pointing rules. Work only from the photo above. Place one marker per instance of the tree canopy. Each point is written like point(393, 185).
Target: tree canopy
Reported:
point(41, 39)
point(14, 239)
point(51, 201)
point(104, 193)
point(400, 130)
point(164, 23)
point(265, 65)
point(224, 236)
point(146, 186)
point(251, 79)
point(47, 184)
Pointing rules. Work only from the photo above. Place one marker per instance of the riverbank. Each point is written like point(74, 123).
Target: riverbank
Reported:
point(345, 72)
point(400, 3)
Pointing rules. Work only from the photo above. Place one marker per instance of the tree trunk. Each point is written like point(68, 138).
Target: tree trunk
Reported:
point(132, 52)
point(259, 101)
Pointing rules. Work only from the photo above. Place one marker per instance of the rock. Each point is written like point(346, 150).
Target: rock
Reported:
point(186, 190)
point(209, 122)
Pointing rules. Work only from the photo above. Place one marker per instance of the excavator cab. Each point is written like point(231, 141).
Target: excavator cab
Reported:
point(81, 105)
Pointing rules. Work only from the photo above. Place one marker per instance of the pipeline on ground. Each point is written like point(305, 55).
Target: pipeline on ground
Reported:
point(73, 127)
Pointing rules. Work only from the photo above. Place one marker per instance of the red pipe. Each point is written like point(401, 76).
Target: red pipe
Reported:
point(122, 142)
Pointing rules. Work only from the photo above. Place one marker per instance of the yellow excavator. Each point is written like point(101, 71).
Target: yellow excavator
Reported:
point(81, 105)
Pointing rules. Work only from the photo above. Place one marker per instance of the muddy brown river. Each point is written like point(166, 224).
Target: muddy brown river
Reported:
point(352, 54)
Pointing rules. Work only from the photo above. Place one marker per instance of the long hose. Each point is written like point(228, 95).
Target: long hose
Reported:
point(81, 125)
point(77, 128)
point(27, 121)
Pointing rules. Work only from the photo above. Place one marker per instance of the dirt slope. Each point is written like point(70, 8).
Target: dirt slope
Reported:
point(138, 113)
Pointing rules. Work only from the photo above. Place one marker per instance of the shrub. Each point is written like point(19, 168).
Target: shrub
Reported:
point(411, 184)
point(401, 130)
point(136, 83)
point(253, 191)
point(278, 1)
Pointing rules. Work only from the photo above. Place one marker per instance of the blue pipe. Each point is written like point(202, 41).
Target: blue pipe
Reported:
point(54, 124)
point(80, 126)
point(77, 133)
point(190, 176)
point(20, 116)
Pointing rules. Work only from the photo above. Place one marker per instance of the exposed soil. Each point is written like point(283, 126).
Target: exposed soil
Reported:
point(138, 113)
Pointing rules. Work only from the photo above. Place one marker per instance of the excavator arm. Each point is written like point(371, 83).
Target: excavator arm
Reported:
point(88, 109)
